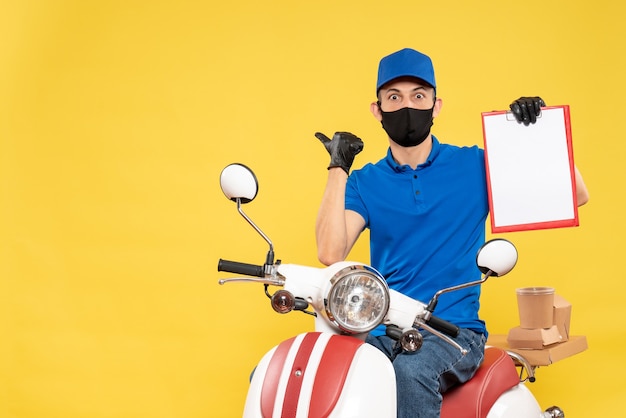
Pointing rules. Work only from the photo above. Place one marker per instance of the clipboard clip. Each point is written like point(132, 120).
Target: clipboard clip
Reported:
point(511, 117)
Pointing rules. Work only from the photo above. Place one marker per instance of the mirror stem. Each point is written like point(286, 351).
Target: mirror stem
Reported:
point(269, 261)
point(433, 302)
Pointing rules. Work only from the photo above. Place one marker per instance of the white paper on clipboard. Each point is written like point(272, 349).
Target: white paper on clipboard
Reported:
point(530, 171)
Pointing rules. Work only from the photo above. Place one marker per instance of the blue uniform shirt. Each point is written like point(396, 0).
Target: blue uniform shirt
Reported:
point(426, 225)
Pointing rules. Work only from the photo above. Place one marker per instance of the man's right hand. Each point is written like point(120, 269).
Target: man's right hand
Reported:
point(527, 109)
point(342, 149)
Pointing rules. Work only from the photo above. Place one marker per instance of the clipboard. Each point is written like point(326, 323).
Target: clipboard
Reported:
point(530, 171)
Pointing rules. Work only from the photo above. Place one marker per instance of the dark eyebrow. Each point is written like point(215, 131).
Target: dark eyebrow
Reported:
point(394, 90)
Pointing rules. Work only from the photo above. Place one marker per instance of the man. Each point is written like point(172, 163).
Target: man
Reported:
point(425, 205)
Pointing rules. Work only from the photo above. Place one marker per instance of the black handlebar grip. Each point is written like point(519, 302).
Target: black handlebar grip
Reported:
point(444, 326)
point(240, 268)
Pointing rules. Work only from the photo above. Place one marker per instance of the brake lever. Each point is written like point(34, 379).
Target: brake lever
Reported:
point(272, 281)
point(441, 335)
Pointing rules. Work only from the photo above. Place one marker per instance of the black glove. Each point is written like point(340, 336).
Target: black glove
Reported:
point(342, 149)
point(526, 109)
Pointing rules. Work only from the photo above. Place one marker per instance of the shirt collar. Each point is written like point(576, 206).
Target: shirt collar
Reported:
point(434, 152)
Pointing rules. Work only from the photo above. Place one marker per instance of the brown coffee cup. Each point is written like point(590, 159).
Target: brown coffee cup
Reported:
point(535, 305)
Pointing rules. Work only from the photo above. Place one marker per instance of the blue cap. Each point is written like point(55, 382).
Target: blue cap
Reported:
point(405, 63)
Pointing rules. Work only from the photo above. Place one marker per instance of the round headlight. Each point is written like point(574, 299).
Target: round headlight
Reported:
point(358, 299)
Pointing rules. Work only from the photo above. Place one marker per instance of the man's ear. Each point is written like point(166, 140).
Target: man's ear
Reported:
point(375, 109)
point(437, 107)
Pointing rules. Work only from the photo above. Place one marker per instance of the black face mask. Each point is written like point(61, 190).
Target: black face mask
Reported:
point(408, 127)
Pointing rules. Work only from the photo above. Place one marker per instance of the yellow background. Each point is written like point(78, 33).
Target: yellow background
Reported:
point(116, 118)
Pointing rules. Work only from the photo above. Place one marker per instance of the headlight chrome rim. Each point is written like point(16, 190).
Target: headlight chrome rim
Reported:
point(367, 290)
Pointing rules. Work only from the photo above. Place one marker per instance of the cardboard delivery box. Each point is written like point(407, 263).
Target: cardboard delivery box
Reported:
point(538, 338)
point(562, 316)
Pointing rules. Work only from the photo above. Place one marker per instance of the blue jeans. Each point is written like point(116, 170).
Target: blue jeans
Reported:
point(424, 375)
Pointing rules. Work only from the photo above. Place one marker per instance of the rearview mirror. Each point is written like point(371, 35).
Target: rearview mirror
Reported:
point(497, 256)
point(239, 182)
